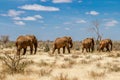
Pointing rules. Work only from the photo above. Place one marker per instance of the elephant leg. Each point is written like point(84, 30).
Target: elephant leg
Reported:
point(58, 50)
point(92, 48)
point(35, 50)
point(24, 51)
point(102, 49)
point(63, 49)
point(86, 49)
point(107, 47)
point(31, 49)
point(35, 46)
point(18, 51)
point(53, 50)
point(68, 49)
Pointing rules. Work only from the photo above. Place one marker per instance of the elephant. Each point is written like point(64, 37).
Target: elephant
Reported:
point(23, 41)
point(105, 43)
point(88, 44)
point(62, 42)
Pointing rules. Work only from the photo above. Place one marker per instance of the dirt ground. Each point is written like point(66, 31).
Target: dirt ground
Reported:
point(74, 66)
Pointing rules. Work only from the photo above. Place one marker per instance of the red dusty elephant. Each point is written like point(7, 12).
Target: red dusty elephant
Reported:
point(22, 42)
point(62, 43)
point(106, 43)
point(88, 44)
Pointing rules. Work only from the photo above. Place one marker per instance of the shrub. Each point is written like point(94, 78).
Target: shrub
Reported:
point(46, 48)
point(14, 64)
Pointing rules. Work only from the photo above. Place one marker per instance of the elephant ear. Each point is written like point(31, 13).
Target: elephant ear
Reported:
point(69, 38)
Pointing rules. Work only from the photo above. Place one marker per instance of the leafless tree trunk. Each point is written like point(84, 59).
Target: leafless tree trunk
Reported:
point(4, 39)
point(95, 29)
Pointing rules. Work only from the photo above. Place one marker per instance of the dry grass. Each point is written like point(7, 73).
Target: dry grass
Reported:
point(2, 76)
point(75, 56)
point(46, 66)
point(68, 63)
point(109, 66)
point(114, 55)
point(45, 71)
point(13, 64)
point(85, 61)
point(43, 63)
point(66, 58)
point(96, 74)
point(62, 76)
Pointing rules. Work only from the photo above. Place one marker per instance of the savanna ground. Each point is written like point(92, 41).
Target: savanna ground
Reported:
point(74, 66)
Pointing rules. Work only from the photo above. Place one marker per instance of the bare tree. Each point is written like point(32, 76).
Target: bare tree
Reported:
point(4, 38)
point(95, 29)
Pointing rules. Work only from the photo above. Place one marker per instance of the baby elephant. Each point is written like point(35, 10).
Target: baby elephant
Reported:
point(106, 43)
point(23, 41)
point(88, 44)
point(62, 43)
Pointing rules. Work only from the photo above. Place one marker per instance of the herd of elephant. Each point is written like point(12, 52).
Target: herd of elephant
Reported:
point(22, 42)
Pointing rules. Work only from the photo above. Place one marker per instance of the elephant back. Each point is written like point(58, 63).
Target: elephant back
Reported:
point(87, 41)
point(23, 40)
point(105, 42)
point(32, 38)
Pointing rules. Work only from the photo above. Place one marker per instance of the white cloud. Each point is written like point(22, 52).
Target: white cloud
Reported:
point(62, 1)
point(111, 23)
point(67, 28)
point(41, 21)
point(79, 1)
point(3, 15)
point(66, 23)
point(38, 16)
point(29, 18)
point(57, 27)
point(94, 13)
point(43, 0)
point(37, 7)
point(17, 18)
point(19, 22)
point(81, 21)
point(13, 13)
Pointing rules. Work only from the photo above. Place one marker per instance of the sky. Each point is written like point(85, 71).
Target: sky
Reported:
point(49, 19)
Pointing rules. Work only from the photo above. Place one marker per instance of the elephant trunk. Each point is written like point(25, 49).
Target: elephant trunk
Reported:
point(35, 45)
point(111, 45)
point(71, 45)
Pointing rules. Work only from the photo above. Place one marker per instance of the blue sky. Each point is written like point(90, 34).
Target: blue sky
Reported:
point(49, 19)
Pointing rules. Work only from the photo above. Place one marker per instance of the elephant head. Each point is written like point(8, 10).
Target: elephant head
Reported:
point(70, 42)
point(34, 41)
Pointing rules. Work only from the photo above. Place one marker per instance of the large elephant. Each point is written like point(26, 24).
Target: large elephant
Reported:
point(105, 43)
point(88, 44)
point(62, 43)
point(23, 41)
